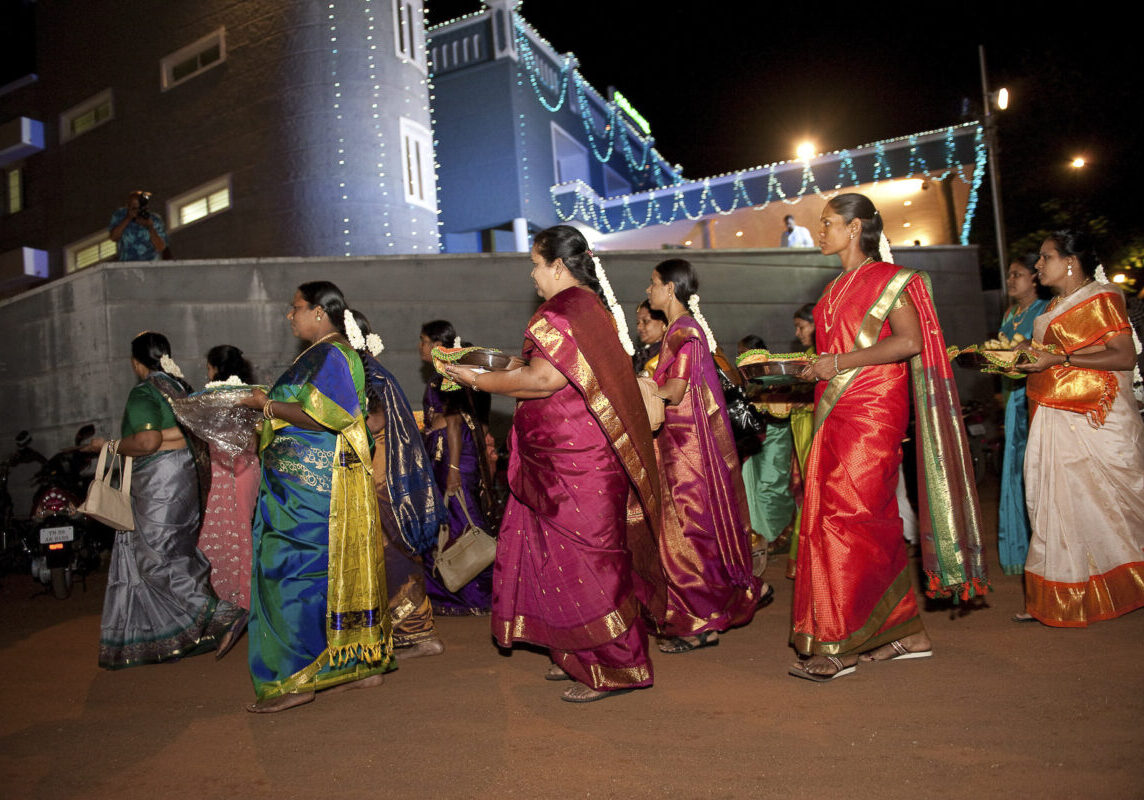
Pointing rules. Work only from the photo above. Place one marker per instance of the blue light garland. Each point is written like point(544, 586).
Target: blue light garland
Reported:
point(589, 207)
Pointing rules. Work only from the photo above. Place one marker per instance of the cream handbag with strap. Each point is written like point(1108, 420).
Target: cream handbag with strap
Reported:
point(466, 557)
point(109, 504)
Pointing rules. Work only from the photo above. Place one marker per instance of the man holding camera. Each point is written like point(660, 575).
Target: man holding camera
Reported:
point(140, 232)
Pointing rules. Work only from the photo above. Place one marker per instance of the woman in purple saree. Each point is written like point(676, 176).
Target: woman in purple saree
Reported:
point(576, 569)
point(705, 545)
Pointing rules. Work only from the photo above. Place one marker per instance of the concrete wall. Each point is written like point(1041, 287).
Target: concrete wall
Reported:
point(65, 360)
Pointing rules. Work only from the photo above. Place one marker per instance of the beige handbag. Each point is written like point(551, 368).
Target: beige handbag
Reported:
point(653, 403)
point(466, 557)
point(109, 504)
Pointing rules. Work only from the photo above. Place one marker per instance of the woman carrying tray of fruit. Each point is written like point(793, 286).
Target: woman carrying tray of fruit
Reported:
point(1084, 464)
point(1029, 301)
point(877, 333)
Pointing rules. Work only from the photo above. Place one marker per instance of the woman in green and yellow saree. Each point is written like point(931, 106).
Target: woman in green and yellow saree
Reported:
point(318, 601)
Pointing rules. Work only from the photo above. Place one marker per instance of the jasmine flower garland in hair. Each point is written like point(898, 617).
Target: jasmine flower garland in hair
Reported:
point(233, 380)
point(374, 344)
point(693, 307)
point(457, 342)
point(613, 305)
point(353, 332)
point(884, 253)
point(170, 367)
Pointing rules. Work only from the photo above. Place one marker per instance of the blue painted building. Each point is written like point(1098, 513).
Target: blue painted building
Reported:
point(513, 118)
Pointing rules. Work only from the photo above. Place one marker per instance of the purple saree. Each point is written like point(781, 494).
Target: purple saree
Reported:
point(576, 567)
point(705, 542)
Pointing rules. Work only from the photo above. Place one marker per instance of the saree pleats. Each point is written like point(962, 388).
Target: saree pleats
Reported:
point(159, 604)
point(1084, 483)
point(705, 542)
point(766, 476)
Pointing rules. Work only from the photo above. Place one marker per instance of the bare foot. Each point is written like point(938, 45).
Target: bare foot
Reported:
point(916, 645)
point(360, 683)
point(280, 703)
point(429, 647)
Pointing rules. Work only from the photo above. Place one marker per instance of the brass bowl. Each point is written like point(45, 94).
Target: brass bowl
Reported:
point(483, 358)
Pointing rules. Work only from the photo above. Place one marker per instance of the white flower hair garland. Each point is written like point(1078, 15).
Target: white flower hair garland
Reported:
point(353, 332)
point(693, 307)
point(884, 253)
point(613, 305)
point(233, 380)
point(457, 343)
point(169, 366)
point(1101, 277)
point(374, 344)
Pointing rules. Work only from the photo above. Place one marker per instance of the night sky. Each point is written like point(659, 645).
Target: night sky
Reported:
point(729, 85)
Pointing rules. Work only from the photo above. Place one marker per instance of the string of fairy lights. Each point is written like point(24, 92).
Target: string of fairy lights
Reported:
point(588, 206)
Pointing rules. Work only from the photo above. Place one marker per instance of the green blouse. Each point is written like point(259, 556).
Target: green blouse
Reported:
point(146, 410)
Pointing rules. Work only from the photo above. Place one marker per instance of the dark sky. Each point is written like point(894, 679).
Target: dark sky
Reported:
point(732, 84)
point(728, 85)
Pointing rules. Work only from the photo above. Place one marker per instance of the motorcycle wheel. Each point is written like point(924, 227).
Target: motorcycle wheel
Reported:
point(60, 586)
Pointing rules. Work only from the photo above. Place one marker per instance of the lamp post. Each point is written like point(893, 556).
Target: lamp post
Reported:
point(1001, 101)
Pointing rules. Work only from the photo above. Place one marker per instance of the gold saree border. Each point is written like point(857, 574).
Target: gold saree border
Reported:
point(561, 348)
point(867, 335)
point(1076, 605)
point(867, 637)
point(584, 637)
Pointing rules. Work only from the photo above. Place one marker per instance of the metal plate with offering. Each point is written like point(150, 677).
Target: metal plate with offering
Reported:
point(482, 359)
point(997, 356)
point(773, 369)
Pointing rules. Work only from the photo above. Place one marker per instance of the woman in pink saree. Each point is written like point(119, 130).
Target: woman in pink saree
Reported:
point(576, 568)
point(705, 546)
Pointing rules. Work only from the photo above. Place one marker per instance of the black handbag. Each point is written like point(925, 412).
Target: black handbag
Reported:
point(747, 423)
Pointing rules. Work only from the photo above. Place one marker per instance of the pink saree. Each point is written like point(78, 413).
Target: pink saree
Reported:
point(705, 543)
point(576, 568)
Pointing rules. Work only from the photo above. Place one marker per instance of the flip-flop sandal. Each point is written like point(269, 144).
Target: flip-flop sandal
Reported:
point(767, 597)
point(592, 698)
point(555, 673)
point(678, 644)
point(1023, 618)
point(799, 671)
point(900, 654)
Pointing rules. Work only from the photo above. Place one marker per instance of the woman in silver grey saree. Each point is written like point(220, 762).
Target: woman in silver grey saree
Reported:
point(159, 603)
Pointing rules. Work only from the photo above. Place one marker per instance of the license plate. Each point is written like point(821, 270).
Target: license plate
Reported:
point(64, 533)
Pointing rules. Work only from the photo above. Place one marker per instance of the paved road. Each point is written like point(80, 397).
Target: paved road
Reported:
point(1002, 710)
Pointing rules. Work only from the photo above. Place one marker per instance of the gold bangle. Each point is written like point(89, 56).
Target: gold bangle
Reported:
point(454, 466)
point(476, 382)
point(837, 371)
point(266, 410)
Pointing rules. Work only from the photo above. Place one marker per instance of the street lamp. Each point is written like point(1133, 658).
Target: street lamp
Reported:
point(1000, 101)
point(1078, 162)
point(805, 151)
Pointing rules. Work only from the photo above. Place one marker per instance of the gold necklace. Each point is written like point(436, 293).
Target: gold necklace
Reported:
point(1016, 318)
point(832, 301)
point(329, 335)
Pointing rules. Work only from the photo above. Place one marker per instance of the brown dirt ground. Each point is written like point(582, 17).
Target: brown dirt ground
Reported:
point(1002, 710)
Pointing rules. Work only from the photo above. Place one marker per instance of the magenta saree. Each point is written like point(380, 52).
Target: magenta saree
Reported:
point(705, 542)
point(576, 568)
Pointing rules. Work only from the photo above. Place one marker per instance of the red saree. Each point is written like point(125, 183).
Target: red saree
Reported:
point(852, 586)
point(576, 567)
point(705, 545)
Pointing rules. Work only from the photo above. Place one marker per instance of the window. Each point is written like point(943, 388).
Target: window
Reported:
point(614, 183)
point(14, 185)
point(89, 250)
point(192, 60)
point(409, 31)
point(417, 165)
point(199, 203)
point(89, 114)
point(569, 156)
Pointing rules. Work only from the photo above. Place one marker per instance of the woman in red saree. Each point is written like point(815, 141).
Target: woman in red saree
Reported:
point(705, 545)
point(1084, 464)
point(576, 568)
point(853, 593)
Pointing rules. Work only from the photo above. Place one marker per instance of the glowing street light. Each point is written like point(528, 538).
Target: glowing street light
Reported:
point(1077, 163)
point(805, 151)
point(1002, 99)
